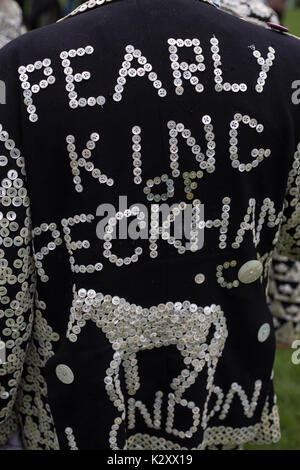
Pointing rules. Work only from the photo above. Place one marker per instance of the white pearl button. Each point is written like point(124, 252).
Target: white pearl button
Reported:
point(64, 374)
point(250, 272)
point(199, 278)
point(264, 332)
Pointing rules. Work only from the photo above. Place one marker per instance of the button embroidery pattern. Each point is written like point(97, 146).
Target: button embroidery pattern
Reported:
point(30, 90)
point(257, 154)
point(72, 79)
point(84, 162)
point(183, 69)
point(198, 333)
point(284, 301)
point(219, 85)
point(71, 439)
point(265, 65)
point(288, 240)
point(127, 338)
point(127, 71)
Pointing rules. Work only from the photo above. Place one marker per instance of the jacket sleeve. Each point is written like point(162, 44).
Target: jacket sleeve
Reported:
point(284, 298)
point(284, 286)
point(289, 235)
point(17, 273)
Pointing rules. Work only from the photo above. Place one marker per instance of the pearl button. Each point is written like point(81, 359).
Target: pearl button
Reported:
point(64, 374)
point(199, 278)
point(250, 272)
point(264, 332)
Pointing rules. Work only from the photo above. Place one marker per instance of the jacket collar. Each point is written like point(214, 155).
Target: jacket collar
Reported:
point(90, 4)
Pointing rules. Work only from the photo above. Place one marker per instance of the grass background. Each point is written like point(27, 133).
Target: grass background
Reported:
point(287, 375)
point(292, 20)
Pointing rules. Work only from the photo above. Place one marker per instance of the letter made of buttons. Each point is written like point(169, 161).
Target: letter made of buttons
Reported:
point(136, 154)
point(144, 69)
point(205, 164)
point(29, 90)
point(73, 246)
point(156, 421)
point(185, 70)
point(42, 252)
point(71, 439)
point(219, 85)
point(156, 231)
point(109, 231)
point(156, 181)
point(220, 275)
point(257, 154)
point(192, 216)
point(183, 324)
point(84, 162)
point(148, 190)
point(267, 431)
point(249, 407)
point(221, 223)
point(265, 65)
point(267, 208)
point(73, 78)
point(249, 222)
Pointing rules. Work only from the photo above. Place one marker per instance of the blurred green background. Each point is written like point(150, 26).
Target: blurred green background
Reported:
point(292, 20)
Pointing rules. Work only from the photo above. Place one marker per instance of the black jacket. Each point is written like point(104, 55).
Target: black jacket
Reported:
point(152, 343)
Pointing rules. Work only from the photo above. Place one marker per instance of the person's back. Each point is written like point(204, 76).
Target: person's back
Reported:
point(121, 113)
